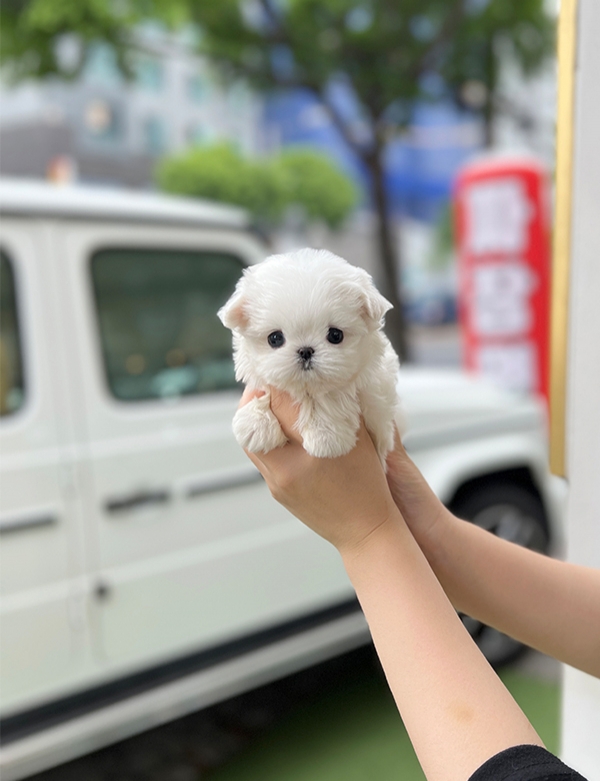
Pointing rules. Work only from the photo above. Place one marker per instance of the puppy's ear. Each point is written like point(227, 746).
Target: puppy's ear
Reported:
point(233, 314)
point(374, 305)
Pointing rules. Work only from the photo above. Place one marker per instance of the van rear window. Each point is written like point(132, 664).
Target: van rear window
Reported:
point(12, 391)
point(157, 316)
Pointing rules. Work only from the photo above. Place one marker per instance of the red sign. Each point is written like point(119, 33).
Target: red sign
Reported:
point(502, 215)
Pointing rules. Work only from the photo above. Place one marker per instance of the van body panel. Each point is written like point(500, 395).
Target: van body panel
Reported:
point(43, 635)
point(180, 566)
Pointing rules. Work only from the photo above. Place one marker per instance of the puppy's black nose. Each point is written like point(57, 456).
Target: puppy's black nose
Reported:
point(306, 353)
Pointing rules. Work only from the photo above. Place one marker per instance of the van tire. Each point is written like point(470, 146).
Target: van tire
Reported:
point(514, 513)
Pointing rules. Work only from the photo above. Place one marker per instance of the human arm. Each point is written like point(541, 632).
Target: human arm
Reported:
point(550, 605)
point(456, 710)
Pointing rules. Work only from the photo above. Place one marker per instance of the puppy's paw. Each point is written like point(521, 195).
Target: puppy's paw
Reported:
point(328, 443)
point(256, 428)
point(384, 444)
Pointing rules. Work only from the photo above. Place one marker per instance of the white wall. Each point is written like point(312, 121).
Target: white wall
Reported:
point(581, 693)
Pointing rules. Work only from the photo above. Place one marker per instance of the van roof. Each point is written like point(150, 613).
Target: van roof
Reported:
point(33, 197)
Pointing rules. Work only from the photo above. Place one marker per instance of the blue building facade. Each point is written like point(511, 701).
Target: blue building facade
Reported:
point(420, 166)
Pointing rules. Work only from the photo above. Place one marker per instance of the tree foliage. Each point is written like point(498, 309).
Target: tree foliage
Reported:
point(33, 34)
point(220, 173)
point(383, 49)
point(264, 186)
point(390, 54)
point(317, 185)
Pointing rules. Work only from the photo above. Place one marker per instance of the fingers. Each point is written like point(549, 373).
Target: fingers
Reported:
point(249, 394)
point(286, 412)
point(256, 461)
point(282, 406)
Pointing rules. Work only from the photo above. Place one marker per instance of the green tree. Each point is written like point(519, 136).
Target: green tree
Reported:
point(220, 173)
point(313, 182)
point(264, 186)
point(383, 50)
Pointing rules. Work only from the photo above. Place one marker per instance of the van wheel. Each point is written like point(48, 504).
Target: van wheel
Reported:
point(512, 513)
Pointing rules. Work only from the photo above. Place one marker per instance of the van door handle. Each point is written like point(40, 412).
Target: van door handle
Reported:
point(28, 520)
point(222, 480)
point(138, 499)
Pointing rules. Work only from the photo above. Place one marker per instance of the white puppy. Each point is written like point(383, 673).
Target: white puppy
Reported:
point(310, 324)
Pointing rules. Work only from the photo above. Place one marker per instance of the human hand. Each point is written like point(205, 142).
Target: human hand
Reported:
point(343, 499)
point(424, 513)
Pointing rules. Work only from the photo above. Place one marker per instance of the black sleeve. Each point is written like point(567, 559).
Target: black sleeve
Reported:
point(525, 763)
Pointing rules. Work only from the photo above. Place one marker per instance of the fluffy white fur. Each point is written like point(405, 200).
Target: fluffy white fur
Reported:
point(303, 294)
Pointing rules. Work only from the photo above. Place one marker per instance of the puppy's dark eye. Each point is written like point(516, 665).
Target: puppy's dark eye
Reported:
point(276, 339)
point(334, 335)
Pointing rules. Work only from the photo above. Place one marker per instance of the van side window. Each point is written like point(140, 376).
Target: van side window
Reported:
point(12, 390)
point(157, 314)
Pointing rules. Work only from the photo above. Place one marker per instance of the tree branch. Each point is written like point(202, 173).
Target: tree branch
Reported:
point(342, 127)
point(271, 13)
point(280, 34)
point(451, 23)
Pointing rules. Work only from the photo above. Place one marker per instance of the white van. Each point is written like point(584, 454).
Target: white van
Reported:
point(146, 571)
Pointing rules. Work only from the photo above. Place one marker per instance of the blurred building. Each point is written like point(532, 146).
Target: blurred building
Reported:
point(421, 163)
point(110, 129)
point(527, 119)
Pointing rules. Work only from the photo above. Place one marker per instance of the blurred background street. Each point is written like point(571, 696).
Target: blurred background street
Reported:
point(179, 99)
point(341, 124)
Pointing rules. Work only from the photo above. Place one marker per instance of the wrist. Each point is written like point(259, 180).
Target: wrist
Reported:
point(443, 550)
point(422, 510)
point(390, 533)
point(435, 538)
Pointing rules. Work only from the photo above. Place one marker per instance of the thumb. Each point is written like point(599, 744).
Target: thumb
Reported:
point(285, 410)
point(249, 394)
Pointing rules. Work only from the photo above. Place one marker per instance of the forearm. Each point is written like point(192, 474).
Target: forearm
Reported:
point(456, 710)
point(544, 603)
point(547, 604)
